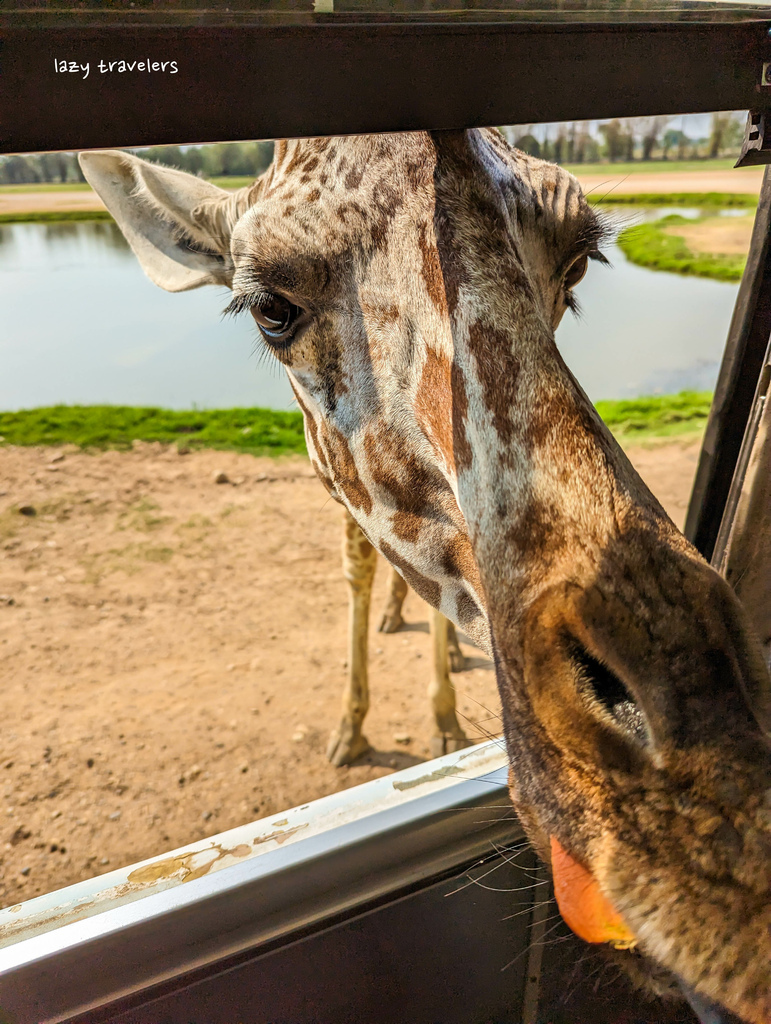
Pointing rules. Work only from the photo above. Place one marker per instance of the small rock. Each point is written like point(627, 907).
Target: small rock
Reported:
point(105, 860)
point(207, 815)
point(115, 816)
point(20, 835)
point(231, 667)
point(27, 510)
point(244, 768)
point(255, 711)
point(298, 736)
point(52, 469)
point(6, 599)
point(193, 772)
point(25, 871)
point(59, 457)
point(262, 477)
point(56, 814)
point(221, 478)
point(402, 737)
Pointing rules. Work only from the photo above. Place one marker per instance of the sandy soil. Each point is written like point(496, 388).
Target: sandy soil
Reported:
point(174, 649)
point(61, 202)
point(727, 236)
point(741, 180)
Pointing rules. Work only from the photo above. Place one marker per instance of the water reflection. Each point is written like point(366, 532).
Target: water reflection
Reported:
point(97, 232)
point(84, 325)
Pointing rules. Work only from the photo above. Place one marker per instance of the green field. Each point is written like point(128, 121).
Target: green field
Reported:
point(657, 416)
point(259, 431)
point(654, 167)
point(268, 432)
point(696, 199)
point(83, 186)
point(53, 216)
point(648, 245)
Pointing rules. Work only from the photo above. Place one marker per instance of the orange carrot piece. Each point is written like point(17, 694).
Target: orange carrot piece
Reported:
point(585, 910)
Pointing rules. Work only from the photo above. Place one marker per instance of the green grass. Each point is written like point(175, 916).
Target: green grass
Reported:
point(83, 186)
point(259, 431)
point(648, 246)
point(53, 216)
point(269, 432)
point(48, 186)
point(696, 199)
point(656, 415)
point(654, 166)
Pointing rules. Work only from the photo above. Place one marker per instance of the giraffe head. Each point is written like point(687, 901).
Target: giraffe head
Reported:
point(411, 286)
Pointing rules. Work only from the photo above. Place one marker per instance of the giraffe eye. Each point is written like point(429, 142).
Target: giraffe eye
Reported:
point(576, 272)
point(275, 316)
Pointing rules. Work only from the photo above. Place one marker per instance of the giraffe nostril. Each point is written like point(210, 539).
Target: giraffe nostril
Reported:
point(603, 687)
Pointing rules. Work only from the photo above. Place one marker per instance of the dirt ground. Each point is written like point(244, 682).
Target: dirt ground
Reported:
point(728, 236)
point(174, 650)
point(742, 180)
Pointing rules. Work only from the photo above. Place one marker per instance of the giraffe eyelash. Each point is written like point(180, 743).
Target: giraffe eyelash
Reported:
point(243, 303)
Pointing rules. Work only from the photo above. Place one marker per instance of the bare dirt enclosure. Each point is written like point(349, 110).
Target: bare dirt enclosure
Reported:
point(174, 651)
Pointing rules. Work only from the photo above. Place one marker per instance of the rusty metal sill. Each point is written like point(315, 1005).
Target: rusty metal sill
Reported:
point(73, 951)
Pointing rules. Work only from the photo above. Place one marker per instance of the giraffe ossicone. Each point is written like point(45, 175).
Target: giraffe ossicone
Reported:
point(411, 285)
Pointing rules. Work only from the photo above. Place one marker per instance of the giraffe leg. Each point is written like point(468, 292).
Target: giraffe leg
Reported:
point(441, 692)
point(391, 618)
point(456, 655)
point(359, 563)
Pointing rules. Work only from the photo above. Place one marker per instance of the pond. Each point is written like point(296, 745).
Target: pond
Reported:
point(82, 324)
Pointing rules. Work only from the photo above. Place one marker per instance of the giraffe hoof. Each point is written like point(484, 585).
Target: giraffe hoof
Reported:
point(448, 744)
point(390, 622)
point(345, 749)
point(457, 660)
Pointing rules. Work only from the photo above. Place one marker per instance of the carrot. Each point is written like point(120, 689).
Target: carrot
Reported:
point(584, 908)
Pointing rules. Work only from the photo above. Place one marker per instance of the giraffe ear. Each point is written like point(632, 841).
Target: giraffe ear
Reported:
point(179, 226)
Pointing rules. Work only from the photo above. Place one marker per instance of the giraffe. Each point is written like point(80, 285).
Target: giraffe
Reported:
point(348, 742)
point(411, 285)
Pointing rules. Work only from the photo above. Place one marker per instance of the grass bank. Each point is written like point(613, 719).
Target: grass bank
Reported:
point(269, 432)
point(259, 431)
point(657, 416)
point(699, 200)
point(52, 216)
point(648, 245)
point(723, 163)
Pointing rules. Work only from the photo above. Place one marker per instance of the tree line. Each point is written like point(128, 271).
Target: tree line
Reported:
point(628, 139)
point(220, 159)
point(634, 138)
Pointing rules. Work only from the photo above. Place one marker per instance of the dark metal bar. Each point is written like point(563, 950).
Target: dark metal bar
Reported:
point(256, 82)
point(742, 362)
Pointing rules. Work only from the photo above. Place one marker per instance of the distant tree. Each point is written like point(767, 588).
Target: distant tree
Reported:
point(652, 127)
point(614, 139)
point(720, 126)
point(672, 138)
point(559, 152)
point(529, 144)
point(628, 129)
